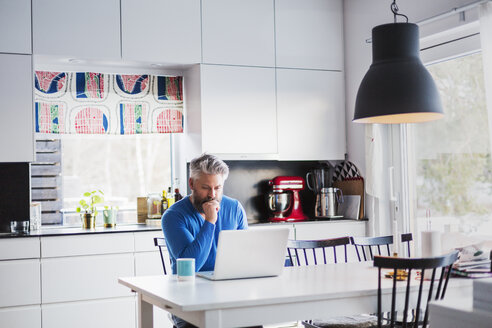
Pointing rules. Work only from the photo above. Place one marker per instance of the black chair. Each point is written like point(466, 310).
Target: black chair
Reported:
point(301, 250)
point(370, 245)
point(444, 263)
point(161, 242)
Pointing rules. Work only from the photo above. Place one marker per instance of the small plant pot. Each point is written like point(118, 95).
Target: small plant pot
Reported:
point(88, 220)
point(109, 217)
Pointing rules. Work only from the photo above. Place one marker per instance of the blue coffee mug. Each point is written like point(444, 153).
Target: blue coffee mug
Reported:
point(185, 268)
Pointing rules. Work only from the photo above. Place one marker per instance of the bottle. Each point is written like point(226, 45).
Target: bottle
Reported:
point(170, 197)
point(164, 205)
point(154, 203)
point(177, 195)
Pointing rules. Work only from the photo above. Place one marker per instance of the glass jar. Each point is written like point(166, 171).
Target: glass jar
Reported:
point(154, 203)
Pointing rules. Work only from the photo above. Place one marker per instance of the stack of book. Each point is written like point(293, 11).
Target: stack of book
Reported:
point(482, 295)
point(472, 269)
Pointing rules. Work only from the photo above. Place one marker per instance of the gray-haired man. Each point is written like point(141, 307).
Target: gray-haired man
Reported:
point(192, 225)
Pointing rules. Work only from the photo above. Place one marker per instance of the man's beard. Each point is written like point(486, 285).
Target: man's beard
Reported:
point(198, 202)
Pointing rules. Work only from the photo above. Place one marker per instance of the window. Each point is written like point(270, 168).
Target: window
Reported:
point(102, 131)
point(451, 158)
point(123, 167)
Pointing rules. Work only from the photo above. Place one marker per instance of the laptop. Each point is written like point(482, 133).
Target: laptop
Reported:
point(249, 254)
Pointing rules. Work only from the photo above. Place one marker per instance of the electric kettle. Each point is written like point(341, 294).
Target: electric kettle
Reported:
point(330, 198)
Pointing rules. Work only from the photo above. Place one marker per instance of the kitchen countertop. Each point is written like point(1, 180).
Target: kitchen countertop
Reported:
point(63, 231)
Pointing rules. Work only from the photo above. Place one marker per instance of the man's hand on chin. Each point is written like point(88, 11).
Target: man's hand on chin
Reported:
point(210, 210)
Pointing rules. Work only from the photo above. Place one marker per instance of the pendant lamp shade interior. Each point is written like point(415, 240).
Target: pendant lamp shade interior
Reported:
point(397, 88)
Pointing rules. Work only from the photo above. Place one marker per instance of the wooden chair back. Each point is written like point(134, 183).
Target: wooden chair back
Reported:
point(161, 242)
point(444, 263)
point(308, 252)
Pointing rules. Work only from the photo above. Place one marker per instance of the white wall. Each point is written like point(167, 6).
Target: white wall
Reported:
point(360, 16)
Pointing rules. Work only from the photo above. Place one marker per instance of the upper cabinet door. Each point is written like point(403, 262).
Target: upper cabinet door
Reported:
point(88, 29)
point(15, 26)
point(238, 32)
point(161, 31)
point(16, 108)
point(238, 110)
point(311, 115)
point(309, 34)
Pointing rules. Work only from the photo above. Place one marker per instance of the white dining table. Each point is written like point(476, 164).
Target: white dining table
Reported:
point(305, 292)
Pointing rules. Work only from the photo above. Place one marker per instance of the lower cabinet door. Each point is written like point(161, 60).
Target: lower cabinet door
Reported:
point(19, 283)
point(108, 313)
point(21, 317)
point(80, 278)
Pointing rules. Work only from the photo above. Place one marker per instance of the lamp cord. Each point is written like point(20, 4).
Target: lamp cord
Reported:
point(395, 9)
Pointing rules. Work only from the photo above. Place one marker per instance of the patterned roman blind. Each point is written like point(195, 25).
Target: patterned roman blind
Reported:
point(98, 103)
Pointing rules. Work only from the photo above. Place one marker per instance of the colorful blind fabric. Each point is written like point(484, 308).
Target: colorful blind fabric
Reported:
point(97, 103)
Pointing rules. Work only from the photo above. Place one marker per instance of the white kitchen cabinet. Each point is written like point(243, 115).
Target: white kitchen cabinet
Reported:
point(237, 32)
point(238, 114)
point(309, 34)
point(144, 241)
point(288, 225)
point(332, 229)
point(161, 31)
point(88, 29)
point(16, 108)
point(21, 317)
point(113, 313)
point(311, 115)
point(94, 244)
point(19, 248)
point(19, 283)
point(15, 26)
point(85, 277)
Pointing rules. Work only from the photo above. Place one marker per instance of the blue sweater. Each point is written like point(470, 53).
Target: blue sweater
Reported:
point(189, 235)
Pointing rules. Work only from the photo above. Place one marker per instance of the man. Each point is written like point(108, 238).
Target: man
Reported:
point(192, 225)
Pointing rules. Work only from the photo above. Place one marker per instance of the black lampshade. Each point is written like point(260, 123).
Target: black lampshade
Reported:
point(397, 88)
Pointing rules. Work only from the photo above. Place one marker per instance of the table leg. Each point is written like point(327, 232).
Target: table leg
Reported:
point(213, 319)
point(145, 313)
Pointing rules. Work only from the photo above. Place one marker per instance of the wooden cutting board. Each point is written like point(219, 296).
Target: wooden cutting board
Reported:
point(353, 186)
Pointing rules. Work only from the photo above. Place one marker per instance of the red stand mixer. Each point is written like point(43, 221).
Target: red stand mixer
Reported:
point(284, 199)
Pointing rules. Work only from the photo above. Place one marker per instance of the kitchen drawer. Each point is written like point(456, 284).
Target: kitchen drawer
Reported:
point(85, 277)
point(111, 313)
point(144, 241)
point(19, 283)
point(86, 245)
point(21, 317)
point(19, 248)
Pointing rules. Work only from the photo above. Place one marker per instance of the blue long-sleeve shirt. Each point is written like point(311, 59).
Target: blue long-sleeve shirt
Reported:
point(188, 235)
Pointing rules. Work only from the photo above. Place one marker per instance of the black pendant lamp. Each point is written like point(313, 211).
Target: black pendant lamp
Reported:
point(397, 88)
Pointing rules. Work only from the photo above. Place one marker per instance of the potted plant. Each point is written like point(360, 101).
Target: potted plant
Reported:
point(87, 208)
